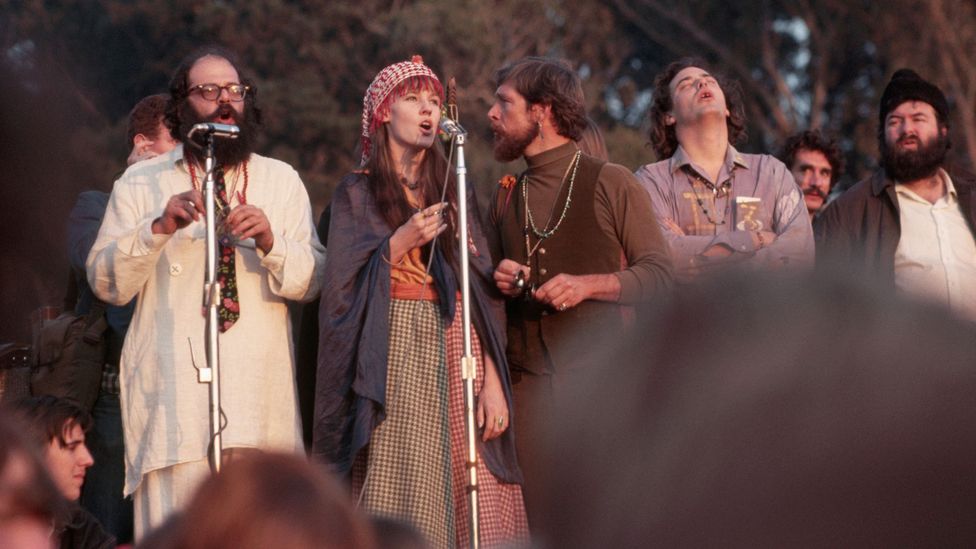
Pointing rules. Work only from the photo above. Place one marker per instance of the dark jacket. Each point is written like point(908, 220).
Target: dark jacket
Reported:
point(860, 230)
point(354, 322)
point(81, 530)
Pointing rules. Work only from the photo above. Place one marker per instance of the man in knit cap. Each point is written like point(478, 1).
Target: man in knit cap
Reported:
point(910, 225)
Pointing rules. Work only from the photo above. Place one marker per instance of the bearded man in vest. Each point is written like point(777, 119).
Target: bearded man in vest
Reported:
point(577, 244)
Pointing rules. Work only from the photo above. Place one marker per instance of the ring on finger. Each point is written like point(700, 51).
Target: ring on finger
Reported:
point(500, 421)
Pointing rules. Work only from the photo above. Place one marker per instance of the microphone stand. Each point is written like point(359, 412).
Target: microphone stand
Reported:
point(469, 369)
point(211, 298)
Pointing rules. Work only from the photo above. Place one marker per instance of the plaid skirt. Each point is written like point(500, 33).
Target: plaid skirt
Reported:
point(413, 469)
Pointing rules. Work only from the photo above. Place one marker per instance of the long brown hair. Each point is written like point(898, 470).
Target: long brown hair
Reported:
point(267, 499)
point(664, 139)
point(384, 184)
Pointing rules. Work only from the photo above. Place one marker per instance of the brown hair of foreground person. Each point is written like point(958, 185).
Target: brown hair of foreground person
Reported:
point(762, 413)
point(30, 503)
point(262, 500)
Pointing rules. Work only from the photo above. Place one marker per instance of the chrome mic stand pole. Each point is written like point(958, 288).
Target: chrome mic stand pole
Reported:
point(211, 289)
point(211, 292)
point(469, 368)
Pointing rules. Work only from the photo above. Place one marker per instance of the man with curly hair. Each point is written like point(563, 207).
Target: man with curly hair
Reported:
point(151, 246)
point(718, 208)
point(816, 163)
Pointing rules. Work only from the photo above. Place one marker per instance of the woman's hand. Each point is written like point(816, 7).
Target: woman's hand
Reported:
point(419, 229)
point(492, 409)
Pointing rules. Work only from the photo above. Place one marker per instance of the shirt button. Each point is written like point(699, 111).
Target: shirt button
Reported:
point(175, 269)
point(542, 251)
point(543, 271)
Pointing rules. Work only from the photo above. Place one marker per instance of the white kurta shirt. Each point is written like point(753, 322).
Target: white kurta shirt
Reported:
point(936, 254)
point(165, 411)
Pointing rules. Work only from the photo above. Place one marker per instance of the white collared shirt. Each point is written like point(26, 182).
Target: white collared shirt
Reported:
point(936, 255)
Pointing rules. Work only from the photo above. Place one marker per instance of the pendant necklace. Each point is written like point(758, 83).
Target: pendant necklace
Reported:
point(241, 196)
point(721, 191)
point(529, 222)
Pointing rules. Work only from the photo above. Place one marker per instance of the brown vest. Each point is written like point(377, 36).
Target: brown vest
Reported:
point(541, 339)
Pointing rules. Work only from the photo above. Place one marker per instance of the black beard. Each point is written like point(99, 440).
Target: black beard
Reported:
point(914, 165)
point(228, 152)
point(511, 146)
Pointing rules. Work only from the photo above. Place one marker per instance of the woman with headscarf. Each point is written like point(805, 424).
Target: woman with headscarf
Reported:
point(389, 397)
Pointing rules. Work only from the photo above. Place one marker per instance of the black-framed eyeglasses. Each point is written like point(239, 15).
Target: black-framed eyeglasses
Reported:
point(211, 92)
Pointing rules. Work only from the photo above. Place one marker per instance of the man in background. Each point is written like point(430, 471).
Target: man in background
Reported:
point(911, 225)
point(816, 163)
point(147, 136)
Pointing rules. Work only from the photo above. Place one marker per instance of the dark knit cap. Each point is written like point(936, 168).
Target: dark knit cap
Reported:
point(907, 85)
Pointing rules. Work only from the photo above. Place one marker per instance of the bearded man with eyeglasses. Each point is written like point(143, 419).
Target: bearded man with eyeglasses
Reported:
point(151, 246)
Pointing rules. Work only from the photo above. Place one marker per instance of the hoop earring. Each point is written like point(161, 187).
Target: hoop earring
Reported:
point(542, 136)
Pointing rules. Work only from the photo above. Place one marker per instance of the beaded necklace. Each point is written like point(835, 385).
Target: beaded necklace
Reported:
point(241, 195)
point(721, 191)
point(530, 221)
point(412, 186)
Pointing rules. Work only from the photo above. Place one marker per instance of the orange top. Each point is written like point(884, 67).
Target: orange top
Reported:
point(411, 269)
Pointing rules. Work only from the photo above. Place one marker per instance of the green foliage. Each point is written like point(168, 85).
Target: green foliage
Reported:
point(312, 61)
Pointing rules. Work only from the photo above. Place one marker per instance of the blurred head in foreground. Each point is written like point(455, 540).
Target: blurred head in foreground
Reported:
point(29, 501)
point(778, 414)
point(271, 500)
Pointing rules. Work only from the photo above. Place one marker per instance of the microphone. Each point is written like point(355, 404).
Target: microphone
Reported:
point(217, 130)
point(449, 124)
point(450, 127)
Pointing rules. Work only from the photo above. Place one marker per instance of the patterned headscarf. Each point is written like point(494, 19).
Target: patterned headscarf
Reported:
point(379, 90)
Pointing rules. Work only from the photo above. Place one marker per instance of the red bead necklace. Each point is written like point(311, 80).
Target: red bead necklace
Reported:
point(241, 195)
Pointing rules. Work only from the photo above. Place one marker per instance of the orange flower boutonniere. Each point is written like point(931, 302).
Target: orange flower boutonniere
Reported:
point(507, 181)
